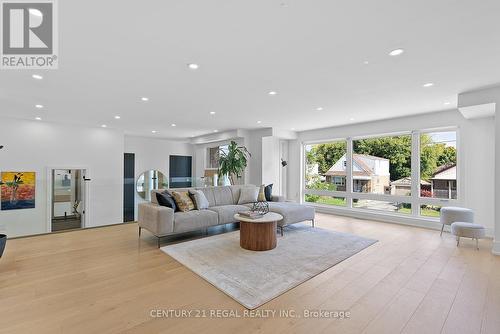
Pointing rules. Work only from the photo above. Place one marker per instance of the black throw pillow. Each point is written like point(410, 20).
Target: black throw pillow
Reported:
point(268, 191)
point(164, 199)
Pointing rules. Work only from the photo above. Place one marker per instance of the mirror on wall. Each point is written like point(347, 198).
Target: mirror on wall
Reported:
point(150, 180)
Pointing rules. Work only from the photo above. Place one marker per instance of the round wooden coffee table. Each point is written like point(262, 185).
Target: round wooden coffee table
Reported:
point(258, 234)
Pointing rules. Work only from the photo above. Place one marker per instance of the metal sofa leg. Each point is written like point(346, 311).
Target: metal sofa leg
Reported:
point(477, 243)
point(281, 230)
point(158, 241)
point(312, 222)
point(458, 241)
point(140, 231)
point(442, 228)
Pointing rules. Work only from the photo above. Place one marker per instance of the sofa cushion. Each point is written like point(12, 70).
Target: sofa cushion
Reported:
point(223, 196)
point(292, 212)
point(199, 199)
point(268, 191)
point(209, 194)
point(165, 199)
point(226, 212)
point(194, 220)
point(248, 195)
point(183, 201)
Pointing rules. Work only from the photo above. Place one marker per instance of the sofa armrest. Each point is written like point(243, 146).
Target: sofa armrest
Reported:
point(278, 198)
point(157, 219)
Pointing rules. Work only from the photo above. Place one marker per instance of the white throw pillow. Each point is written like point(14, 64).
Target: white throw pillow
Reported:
point(200, 200)
point(248, 195)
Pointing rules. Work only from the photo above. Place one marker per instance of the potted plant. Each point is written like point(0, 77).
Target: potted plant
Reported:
point(233, 161)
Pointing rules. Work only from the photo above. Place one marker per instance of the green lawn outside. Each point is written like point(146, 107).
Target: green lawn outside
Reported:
point(328, 200)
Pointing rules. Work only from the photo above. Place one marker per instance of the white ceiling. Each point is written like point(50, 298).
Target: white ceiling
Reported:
point(311, 52)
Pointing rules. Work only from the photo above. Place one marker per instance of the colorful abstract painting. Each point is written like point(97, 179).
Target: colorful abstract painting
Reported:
point(17, 190)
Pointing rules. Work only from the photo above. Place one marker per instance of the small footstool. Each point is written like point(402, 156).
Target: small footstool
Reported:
point(451, 214)
point(468, 230)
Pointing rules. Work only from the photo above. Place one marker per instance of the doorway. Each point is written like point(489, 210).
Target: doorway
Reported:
point(68, 199)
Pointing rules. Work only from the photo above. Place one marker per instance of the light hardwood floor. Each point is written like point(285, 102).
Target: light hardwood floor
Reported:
point(107, 280)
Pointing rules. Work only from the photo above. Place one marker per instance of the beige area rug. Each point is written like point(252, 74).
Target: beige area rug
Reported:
point(254, 278)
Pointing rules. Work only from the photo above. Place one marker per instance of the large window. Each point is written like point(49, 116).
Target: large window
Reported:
point(411, 174)
point(382, 165)
point(325, 172)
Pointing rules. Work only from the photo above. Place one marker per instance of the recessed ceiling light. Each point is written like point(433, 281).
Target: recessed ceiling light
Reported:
point(104, 126)
point(153, 131)
point(37, 76)
point(117, 117)
point(396, 52)
point(193, 66)
point(293, 129)
point(145, 99)
point(38, 118)
point(173, 124)
point(212, 113)
point(258, 122)
point(216, 130)
point(272, 93)
point(429, 84)
point(447, 103)
point(319, 108)
point(366, 62)
point(352, 119)
point(38, 106)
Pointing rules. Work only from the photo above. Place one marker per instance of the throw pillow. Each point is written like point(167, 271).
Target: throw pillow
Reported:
point(199, 199)
point(164, 199)
point(183, 201)
point(262, 195)
point(268, 191)
point(248, 195)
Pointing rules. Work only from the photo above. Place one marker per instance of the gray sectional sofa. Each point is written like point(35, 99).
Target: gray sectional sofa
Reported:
point(223, 205)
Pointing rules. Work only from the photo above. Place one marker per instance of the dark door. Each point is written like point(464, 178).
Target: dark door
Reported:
point(129, 187)
point(180, 171)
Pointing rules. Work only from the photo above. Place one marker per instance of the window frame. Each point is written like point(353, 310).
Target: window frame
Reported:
point(414, 199)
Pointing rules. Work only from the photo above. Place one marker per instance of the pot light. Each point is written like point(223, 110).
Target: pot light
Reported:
point(429, 84)
point(258, 122)
point(145, 99)
point(396, 52)
point(447, 103)
point(38, 118)
point(216, 130)
point(117, 117)
point(293, 129)
point(193, 66)
point(319, 108)
point(173, 124)
point(153, 131)
point(352, 119)
point(212, 113)
point(37, 76)
point(272, 93)
point(104, 126)
point(38, 106)
point(366, 62)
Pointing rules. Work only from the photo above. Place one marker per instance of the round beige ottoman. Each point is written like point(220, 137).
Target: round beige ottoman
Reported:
point(468, 230)
point(451, 214)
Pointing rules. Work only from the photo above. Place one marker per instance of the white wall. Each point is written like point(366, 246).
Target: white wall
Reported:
point(271, 163)
point(152, 153)
point(476, 154)
point(35, 146)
